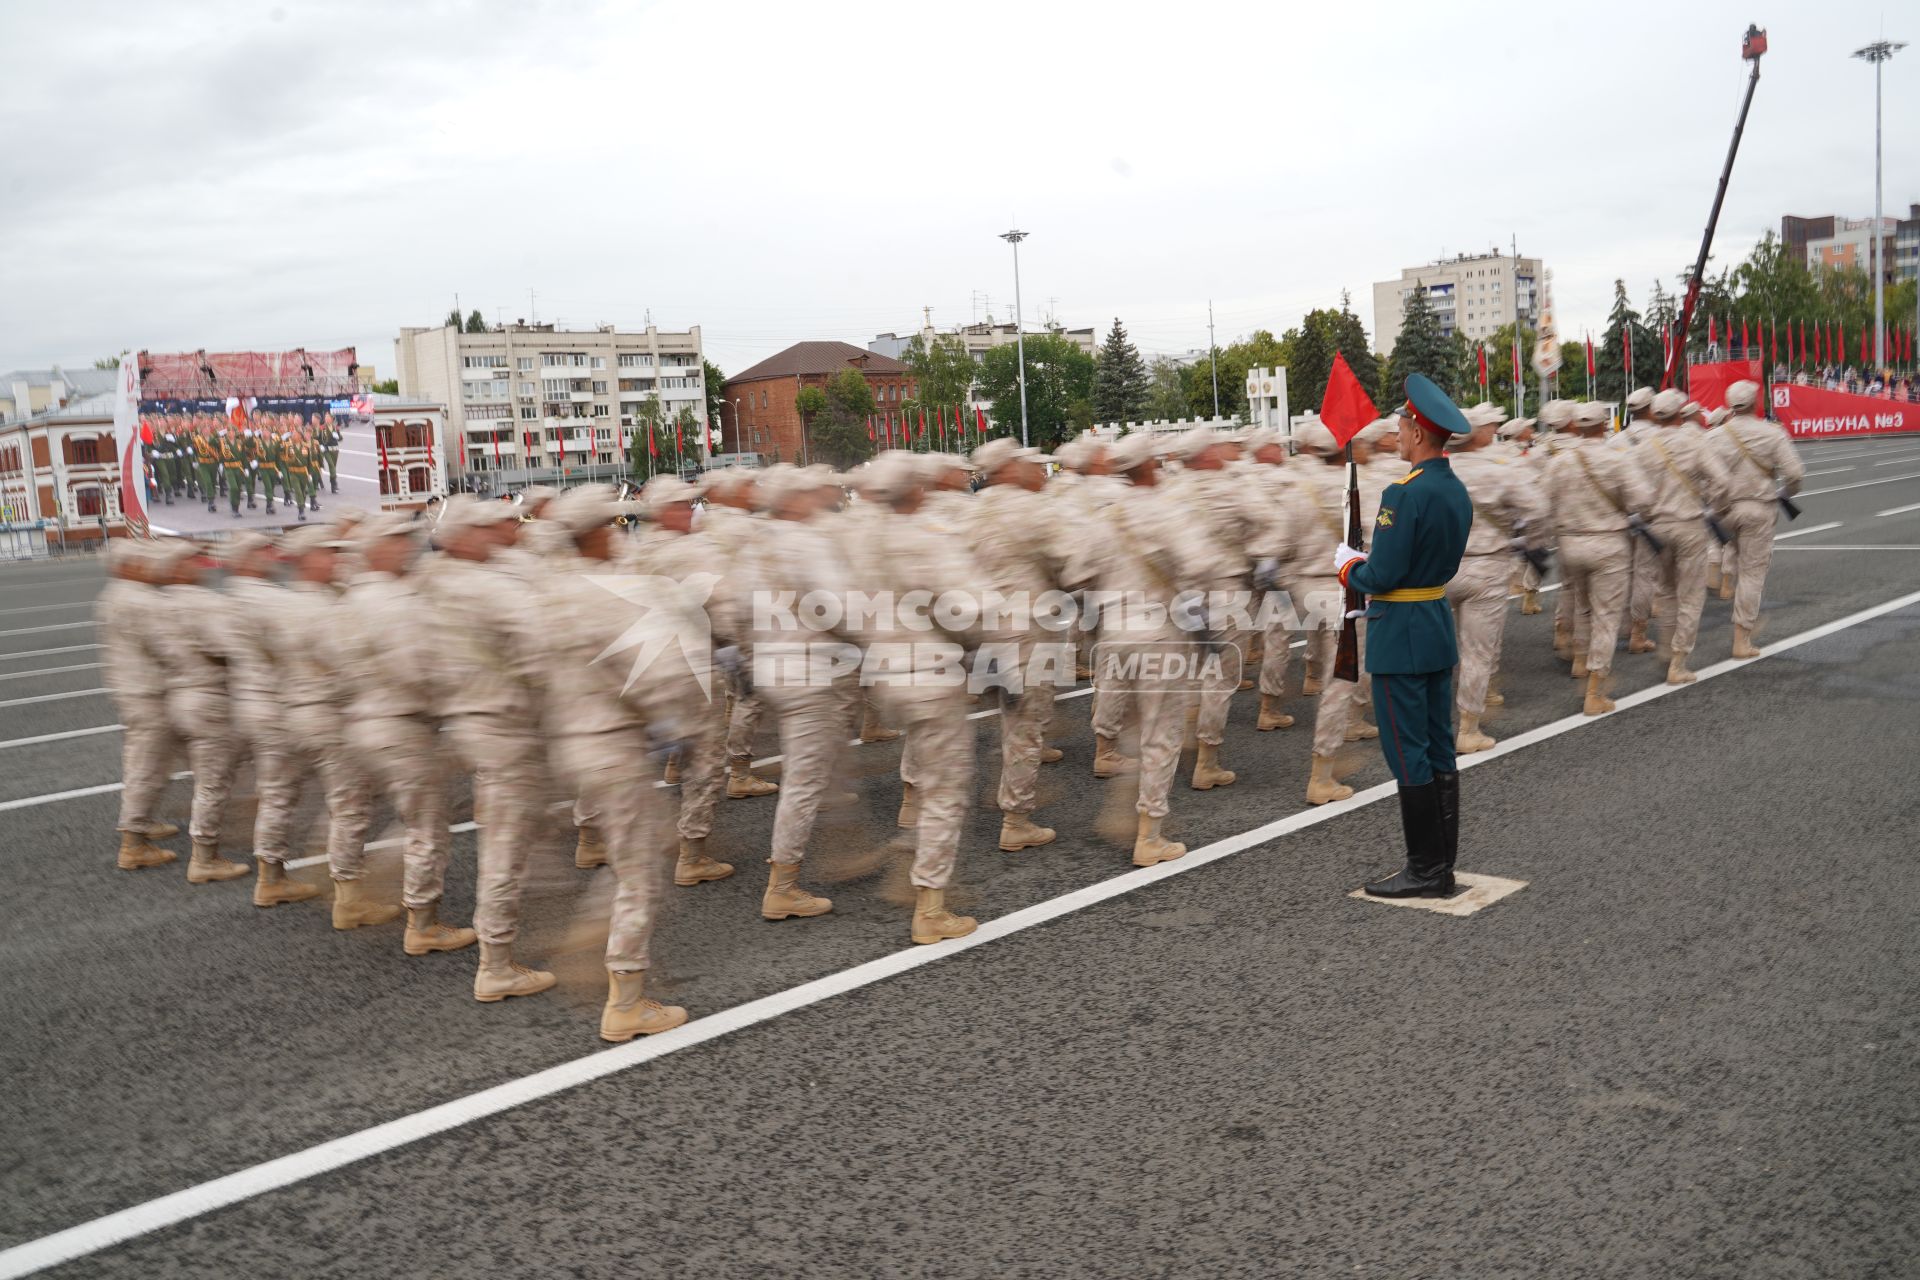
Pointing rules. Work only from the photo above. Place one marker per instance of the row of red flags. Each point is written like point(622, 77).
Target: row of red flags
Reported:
point(1821, 344)
point(881, 426)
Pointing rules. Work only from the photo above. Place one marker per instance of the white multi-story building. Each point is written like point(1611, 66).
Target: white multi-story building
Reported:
point(529, 403)
point(1473, 294)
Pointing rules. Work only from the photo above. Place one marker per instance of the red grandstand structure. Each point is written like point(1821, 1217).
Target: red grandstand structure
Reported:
point(214, 375)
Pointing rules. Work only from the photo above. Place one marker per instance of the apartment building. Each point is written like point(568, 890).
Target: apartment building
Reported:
point(978, 339)
point(1473, 294)
point(530, 403)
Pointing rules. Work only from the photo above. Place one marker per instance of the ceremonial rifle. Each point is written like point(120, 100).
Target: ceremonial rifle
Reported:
point(1346, 658)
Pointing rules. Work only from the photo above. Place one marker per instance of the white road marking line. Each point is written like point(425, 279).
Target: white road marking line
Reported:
point(1896, 511)
point(1830, 471)
point(57, 737)
point(51, 671)
point(299, 1166)
point(28, 802)
point(1894, 462)
point(58, 626)
point(1839, 546)
point(52, 697)
point(1818, 528)
point(48, 608)
point(42, 653)
point(1838, 488)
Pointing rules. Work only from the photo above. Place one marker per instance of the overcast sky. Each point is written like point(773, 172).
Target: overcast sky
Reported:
point(257, 176)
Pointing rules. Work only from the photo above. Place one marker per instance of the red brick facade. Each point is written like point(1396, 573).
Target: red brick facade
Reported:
point(759, 415)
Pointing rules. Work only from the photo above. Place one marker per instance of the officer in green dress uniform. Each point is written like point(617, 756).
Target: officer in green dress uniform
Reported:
point(270, 476)
point(233, 461)
point(206, 456)
point(1418, 539)
point(330, 438)
point(165, 450)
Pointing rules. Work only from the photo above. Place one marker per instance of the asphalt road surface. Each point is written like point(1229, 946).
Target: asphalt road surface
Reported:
point(1686, 1046)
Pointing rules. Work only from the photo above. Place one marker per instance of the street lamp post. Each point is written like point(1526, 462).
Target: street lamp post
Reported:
point(1876, 53)
point(739, 433)
point(1019, 329)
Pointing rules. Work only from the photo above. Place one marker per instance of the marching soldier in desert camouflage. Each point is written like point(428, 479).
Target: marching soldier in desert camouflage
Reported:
point(1762, 466)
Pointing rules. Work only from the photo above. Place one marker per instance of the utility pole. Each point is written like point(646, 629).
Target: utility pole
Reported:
point(1877, 53)
point(1213, 359)
point(1019, 329)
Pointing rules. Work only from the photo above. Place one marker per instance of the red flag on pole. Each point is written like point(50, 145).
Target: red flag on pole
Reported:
point(496, 449)
point(1589, 355)
point(923, 424)
point(960, 424)
point(871, 437)
point(1483, 364)
point(679, 439)
point(380, 438)
point(1516, 356)
point(1709, 330)
point(1345, 407)
point(980, 422)
point(653, 442)
point(1839, 341)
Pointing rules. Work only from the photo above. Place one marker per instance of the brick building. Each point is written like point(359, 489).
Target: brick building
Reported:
point(759, 416)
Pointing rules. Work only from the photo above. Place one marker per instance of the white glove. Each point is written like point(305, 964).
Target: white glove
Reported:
point(1344, 555)
point(1354, 613)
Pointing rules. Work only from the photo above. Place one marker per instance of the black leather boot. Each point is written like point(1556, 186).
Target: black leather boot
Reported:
point(1424, 875)
point(1449, 784)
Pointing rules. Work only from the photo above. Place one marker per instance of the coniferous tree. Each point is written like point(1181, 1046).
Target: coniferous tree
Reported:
point(1422, 347)
point(1610, 378)
point(1121, 385)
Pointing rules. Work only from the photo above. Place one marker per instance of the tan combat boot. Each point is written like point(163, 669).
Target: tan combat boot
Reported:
point(1597, 703)
point(207, 866)
point(1207, 773)
point(354, 905)
point(1360, 731)
point(1726, 586)
point(1495, 698)
point(1271, 716)
point(1468, 739)
point(1530, 602)
point(499, 977)
point(1018, 831)
point(1310, 686)
point(932, 922)
point(909, 815)
point(1322, 787)
point(162, 831)
point(741, 784)
point(1051, 755)
point(871, 730)
point(695, 867)
point(589, 850)
point(1743, 643)
point(136, 853)
point(1107, 760)
point(629, 1013)
point(425, 933)
point(671, 775)
point(1580, 665)
point(785, 898)
point(1713, 577)
point(1677, 672)
point(1562, 640)
point(273, 888)
point(1637, 639)
point(1150, 847)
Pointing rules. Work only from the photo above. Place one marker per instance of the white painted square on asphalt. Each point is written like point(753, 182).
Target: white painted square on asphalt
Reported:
point(1481, 891)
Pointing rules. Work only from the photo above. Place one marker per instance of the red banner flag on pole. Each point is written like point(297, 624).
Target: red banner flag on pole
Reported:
point(923, 424)
point(980, 422)
point(1589, 355)
point(1483, 364)
point(872, 435)
point(1345, 407)
point(1710, 331)
point(960, 424)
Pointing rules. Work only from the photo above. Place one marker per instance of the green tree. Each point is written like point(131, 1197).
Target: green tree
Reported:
point(1500, 368)
point(1422, 347)
point(389, 387)
point(1261, 350)
point(476, 323)
point(646, 427)
point(1624, 325)
point(1120, 382)
point(1166, 390)
point(1059, 388)
point(837, 417)
point(107, 362)
point(1310, 349)
point(453, 320)
point(716, 384)
point(943, 372)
